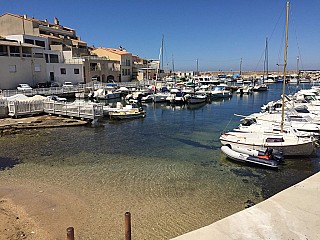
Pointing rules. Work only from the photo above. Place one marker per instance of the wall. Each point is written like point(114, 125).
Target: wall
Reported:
point(70, 76)
point(16, 25)
point(25, 71)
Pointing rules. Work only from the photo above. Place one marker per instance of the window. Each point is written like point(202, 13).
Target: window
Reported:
point(38, 55)
point(122, 72)
point(63, 71)
point(30, 41)
point(14, 51)
point(3, 50)
point(37, 68)
point(129, 72)
point(76, 71)
point(54, 58)
point(47, 58)
point(12, 68)
point(40, 43)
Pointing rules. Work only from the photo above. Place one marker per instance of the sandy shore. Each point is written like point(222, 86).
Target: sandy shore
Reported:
point(35, 211)
point(25, 207)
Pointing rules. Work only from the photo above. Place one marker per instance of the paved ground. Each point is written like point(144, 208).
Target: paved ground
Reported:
point(289, 215)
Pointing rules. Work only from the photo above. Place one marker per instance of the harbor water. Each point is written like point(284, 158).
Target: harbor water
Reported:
point(167, 169)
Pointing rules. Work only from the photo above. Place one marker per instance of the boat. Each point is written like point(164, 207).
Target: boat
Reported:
point(105, 94)
point(107, 109)
point(177, 97)
point(148, 98)
point(266, 158)
point(57, 98)
point(245, 89)
point(130, 114)
point(288, 143)
point(261, 86)
point(196, 98)
point(220, 92)
point(160, 97)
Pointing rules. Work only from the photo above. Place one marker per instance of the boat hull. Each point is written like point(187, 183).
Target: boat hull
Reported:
point(241, 157)
point(124, 115)
point(300, 148)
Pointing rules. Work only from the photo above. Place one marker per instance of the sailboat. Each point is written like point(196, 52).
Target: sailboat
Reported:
point(295, 80)
point(159, 96)
point(262, 86)
point(288, 143)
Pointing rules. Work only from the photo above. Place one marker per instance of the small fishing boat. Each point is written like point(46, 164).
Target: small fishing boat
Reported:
point(266, 158)
point(130, 114)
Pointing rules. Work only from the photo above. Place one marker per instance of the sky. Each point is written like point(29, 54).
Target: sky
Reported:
point(208, 35)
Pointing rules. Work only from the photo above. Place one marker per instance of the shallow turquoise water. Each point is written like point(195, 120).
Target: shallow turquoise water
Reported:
point(167, 168)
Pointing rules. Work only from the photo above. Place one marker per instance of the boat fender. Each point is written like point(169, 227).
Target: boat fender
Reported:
point(266, 157)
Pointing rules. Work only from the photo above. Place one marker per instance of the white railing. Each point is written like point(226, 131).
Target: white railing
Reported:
point(42, 91)
point(3, 102)
point(22, 108)
point(86, 111)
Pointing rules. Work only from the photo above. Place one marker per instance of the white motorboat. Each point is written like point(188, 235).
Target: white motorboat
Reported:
point(244, 90)
point(148, 98)
point(260, 87)
point(160, 97)
point(265, 122)
point(220, 92)
point(105, 94)
point(288, 143)
point(265, 158)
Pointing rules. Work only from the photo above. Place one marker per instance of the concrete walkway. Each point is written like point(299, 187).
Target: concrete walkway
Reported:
point(289, 215)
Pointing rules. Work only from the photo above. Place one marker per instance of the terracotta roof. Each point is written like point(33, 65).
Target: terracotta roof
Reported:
point(115, 50)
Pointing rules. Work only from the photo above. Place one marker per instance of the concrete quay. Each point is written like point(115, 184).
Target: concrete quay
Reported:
point(292, 214)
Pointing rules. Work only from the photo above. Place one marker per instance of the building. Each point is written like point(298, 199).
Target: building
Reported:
point(19, 63)
point(58, 37)
point(67, 57)
point(125, 58)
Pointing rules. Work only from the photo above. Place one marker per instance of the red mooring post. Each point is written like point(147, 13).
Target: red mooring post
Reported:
point(70, 233)
point(127, 222)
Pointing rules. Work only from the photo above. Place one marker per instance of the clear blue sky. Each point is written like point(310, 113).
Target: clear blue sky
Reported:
point(217, 33)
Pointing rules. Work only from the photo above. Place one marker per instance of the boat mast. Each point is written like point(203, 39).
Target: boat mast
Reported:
point(298, 68)
point(162, 42)
point(285, 65)
point(265, 66)
point(267, 58)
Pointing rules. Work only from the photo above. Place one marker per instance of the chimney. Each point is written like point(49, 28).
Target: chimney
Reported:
point(56, 21)
point(25, 16)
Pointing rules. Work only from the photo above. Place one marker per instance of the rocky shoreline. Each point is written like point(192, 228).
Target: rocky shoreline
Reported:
point(14, 125)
